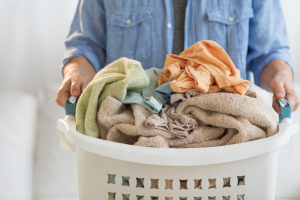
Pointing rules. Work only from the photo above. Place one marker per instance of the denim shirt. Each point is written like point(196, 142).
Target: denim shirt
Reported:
point(252, 32)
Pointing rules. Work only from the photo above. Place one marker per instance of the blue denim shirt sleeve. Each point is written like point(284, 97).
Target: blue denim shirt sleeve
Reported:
point(267, 37)
point(87, 36)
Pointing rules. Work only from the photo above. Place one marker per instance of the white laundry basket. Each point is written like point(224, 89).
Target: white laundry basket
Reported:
point(102, 165)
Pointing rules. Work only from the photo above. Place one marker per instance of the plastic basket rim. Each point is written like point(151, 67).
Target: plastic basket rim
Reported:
point(177, 156)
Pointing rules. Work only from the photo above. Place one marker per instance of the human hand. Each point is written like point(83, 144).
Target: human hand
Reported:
point(277, 77)
point(78, 72)
point(282, 87)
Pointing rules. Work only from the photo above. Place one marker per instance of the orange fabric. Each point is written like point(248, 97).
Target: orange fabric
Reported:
point(205, 67)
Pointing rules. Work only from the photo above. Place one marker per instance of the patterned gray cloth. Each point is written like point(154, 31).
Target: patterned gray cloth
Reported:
point(179, 7)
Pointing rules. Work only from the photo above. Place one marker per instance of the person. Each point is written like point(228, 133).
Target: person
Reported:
point(252, 32)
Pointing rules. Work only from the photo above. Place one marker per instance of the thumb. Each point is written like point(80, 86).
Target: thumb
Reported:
point(279, 91)
point(76, 86)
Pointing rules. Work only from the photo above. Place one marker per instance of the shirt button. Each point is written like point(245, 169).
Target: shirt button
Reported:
point(230, 19)
point(128, 21)
point(169, 25)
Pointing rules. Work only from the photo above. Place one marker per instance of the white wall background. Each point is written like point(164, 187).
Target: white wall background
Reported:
point(292, 19)
point(32, 42)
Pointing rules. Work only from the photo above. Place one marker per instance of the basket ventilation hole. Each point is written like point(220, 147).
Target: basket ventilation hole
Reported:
point(212, 198)
point(198, 184)
point(154, 198)
point(111, 178)
point(154, 184)
point(241, 180)
point(169, 198)
point(240, 197)
point(197, 198)
point(212, 183)
point(182, 198)
point(169, 185)
point(140, 182)
point(226, 197)
point(111, 196)
point(126, 196)
point(226, 182)
point(183, 184)
point(139, 197)
point(125, 180)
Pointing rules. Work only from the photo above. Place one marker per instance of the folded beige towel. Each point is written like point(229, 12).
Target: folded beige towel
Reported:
point(230, 111)
point(221, 119)
point(125, 123)
point(184, 96)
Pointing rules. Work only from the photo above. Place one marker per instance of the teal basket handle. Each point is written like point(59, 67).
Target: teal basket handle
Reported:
point(70, 105)
point(286, 109)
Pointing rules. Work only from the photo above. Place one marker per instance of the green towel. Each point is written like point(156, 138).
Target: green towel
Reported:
point(147, 98)
point(115, 80)
point(111, 196)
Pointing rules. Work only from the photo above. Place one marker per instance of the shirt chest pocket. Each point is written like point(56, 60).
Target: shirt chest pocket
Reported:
point(129, 32)
point(229, 26)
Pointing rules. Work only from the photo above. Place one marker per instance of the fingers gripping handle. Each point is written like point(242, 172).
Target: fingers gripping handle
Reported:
point(286, 109)
point(70, 105)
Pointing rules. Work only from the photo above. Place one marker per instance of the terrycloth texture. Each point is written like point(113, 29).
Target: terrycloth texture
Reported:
point(147, 97)
point(156, 141)
point(178, 97)
point(156, 121)
point(116, 79)
point(222, 119)
point(178, 124)
point(205, 67)
point(169, 184)
point(125, 123)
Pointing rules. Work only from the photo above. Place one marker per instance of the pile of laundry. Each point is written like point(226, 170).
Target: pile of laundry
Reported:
point(197, 100)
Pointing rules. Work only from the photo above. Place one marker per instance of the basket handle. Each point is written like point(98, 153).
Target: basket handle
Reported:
point(286, 109)
point(70, 105)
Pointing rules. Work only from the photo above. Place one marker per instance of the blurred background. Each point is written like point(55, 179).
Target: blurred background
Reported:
point(32, 166)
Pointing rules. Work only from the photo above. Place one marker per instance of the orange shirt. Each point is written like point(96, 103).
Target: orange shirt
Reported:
point(205, 67)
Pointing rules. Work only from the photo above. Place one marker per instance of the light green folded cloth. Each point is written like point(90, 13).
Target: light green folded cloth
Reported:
point(115, 80)
point(147, 98)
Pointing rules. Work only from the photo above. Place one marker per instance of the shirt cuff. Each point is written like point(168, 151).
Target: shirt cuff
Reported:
point(260, 63)
point(81, 51)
